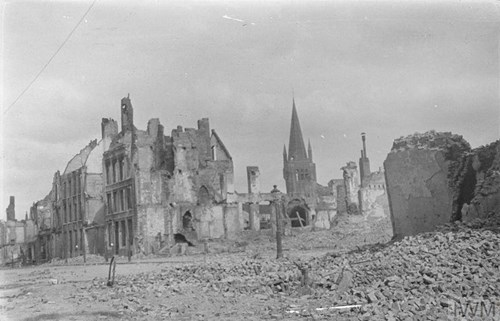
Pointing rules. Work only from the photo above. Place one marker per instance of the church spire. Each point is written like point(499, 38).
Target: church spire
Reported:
point(296, 147)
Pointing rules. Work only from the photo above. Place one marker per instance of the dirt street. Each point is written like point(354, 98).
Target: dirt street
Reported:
point(325, 275)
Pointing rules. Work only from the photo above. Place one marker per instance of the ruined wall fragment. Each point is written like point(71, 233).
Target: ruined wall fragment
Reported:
point(351, 186)
point(477, 184)
point(417, 178)
point(11, 209)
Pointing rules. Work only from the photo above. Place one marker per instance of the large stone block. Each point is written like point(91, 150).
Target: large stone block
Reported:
point(418, 180)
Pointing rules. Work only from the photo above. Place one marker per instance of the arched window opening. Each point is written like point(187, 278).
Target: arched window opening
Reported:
point(187, 221)
point(203, 196)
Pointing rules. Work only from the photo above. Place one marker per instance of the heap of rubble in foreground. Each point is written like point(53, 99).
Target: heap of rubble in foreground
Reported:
point(423, 277)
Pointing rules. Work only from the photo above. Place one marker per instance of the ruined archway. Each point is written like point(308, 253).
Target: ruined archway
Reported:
point(187, 221)
point(298, 216)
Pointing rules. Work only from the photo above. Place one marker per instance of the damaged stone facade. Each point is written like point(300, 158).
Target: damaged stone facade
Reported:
point(351, 187)
point(157, 186)
point(41, 213)
point(475, 179)
point(17, 243)
point(77, 206)
point(309, 202)
point(418, 178)
point(362, 201)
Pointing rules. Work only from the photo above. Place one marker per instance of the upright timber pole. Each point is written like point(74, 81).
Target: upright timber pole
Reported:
point(278, 209)
point(279, 245)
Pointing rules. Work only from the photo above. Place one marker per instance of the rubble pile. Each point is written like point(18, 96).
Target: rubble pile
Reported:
point(454, 144)
point(78, 260)
point(337, 239)
point(422, 277)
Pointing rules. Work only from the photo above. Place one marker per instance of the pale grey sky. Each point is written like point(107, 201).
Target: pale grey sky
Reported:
point(388, 69)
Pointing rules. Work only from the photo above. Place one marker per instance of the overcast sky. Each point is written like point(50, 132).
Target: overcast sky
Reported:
point(388, 69)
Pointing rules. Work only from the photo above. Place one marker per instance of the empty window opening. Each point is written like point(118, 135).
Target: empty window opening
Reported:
point(214, 153)
point(117, 237)
point(129, 197)
point(113, 165)
point(121, 169)
point(110, 203)
point(203, 195)
point(124, 233)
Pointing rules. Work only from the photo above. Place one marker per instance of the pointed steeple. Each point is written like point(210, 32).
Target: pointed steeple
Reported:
point(296, 147)
point(309, 150)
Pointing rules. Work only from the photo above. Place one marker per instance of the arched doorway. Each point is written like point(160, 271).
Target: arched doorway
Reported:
point(298, 216)
point(187, 221)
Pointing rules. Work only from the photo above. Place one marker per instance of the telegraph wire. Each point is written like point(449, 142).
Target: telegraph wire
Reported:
point(51, 58)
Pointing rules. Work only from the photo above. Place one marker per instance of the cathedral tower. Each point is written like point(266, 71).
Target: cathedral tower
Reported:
point(299, 171)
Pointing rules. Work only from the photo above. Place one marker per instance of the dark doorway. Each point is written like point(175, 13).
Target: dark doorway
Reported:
point(187, 221)
point(298, 216)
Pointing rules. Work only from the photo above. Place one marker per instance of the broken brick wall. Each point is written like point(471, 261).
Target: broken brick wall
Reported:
point(232, 226)
point(210, 222)
point(324, 218)
point(326, 206)
point(94, 188)
point(417, 179)
point(152, 230)
point(373, 196)
point(215, 178)
point(374, 204)
point(11, 209)
point(95, 240)
point(351, 187)
point(150, 199)
point(476, 183)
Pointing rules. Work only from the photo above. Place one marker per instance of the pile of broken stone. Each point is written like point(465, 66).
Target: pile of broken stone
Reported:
point(422, 277)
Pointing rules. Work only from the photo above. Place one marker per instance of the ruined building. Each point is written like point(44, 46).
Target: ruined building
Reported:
point(41, 213)
point(351, 187)
point(362, 201)
point(11, 209)
point(309, 201)
point(157, 186)
point(77, 207)
point(434, 178)
point(17, 243)
point(416, 172)
point(299, 170)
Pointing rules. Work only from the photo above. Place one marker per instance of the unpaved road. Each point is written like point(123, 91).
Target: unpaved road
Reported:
point(80, 293)
point(243, 283)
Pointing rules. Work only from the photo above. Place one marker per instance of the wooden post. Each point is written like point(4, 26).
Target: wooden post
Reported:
point(300, 219)
point(278, 208)
point(279, 245)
